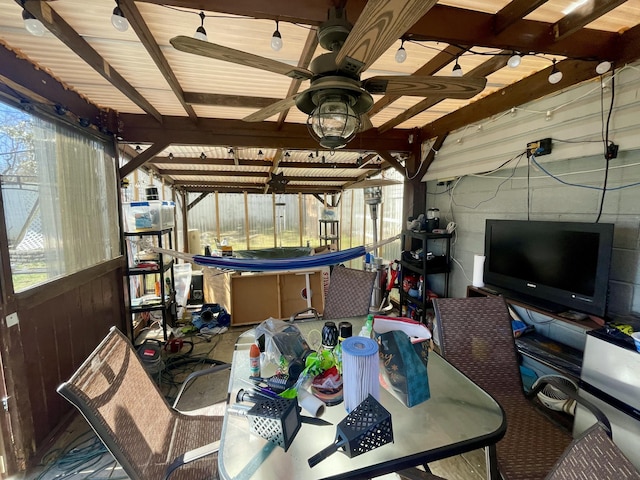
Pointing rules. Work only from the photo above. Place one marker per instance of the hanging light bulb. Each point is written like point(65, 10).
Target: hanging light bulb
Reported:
point(170, 156)
point(556, 75)
point(118, 20)
point(201, 33)
point(276, 39)
point(287, 154)
point(32, 24)
point(514, 60)
point(401, 53)
point(260, 154)
point(457, 70)
point(603, 67)
point(202, 156)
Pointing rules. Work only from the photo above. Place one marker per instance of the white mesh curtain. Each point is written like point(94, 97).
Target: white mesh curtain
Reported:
point(78, 197)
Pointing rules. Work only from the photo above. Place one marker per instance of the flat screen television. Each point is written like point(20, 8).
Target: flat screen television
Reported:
point(556, 266)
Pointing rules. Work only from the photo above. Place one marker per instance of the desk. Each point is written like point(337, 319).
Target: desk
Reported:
point(458, 417)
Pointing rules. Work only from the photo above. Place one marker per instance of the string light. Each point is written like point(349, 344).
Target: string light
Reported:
point(514, 60)
point(556, 75)
point(32, 24)
point(201, 33)
point(170, 156)
point(457, 70)
point(260, 154)
point(276, 39)
point(118, 20)
point(287, 154)
point(202, 156)
point(603, 67)
point(401, 53)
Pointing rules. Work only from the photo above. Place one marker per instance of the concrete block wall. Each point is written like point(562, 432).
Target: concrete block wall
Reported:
point(468, 195)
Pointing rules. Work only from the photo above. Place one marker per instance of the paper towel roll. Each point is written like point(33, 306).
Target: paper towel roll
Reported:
point(478, 270)
point(310, 403)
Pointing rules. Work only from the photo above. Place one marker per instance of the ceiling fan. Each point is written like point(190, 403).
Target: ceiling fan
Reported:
point(337, 100)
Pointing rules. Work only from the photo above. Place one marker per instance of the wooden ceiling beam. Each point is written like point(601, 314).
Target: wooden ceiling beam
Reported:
point(212, 173)
point(392, 161)
point(147, 39)
point(67, 35)
point(531, 88)
point(471, 27)
point(310, 12)
point(138, 128)
point(142, 158)
point(514, 11)
point(198, 98)
point(477, 28)
point(581, 16)
point(36, 84)
point(228, 162)
point(526, 90)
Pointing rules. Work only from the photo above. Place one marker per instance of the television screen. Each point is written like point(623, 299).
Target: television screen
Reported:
point(558, 265)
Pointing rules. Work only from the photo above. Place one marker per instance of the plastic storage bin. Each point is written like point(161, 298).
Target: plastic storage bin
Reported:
point(142, 216)
point(168, 214)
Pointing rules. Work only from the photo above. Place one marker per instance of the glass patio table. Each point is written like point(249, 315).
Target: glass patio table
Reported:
point(459, 417)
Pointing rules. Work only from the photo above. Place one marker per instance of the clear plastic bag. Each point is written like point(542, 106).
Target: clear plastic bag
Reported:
point(282, 343)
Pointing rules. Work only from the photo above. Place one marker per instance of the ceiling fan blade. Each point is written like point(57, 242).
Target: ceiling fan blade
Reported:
point(425, 86)
point(211, 50)
point(272, 109)
point(381, 23)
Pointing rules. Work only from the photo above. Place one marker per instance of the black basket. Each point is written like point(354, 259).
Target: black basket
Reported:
point(276, 420)
point(367, 427)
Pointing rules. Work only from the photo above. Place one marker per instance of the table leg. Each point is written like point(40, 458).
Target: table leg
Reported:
point(492, 463)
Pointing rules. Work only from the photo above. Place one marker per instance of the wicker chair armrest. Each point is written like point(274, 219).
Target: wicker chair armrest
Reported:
point(554, 382)
point(192, 455)
point(309, 309)
point(196, 374)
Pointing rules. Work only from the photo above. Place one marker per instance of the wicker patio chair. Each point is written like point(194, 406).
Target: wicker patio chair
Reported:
point(149, 439)
point(594, 456)
point(476, 337)
point(349, 294)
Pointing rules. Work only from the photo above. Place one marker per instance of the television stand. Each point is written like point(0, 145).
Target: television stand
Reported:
point(540, 304)
point(549, 309)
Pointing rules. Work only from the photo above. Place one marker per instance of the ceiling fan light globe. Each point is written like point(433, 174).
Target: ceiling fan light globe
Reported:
point(32, 24)
point(119, 21)
point(603, 67)
point(276, 41)
point(201, 34)
point(401, 55)
point(514, 61)
point(334, 122)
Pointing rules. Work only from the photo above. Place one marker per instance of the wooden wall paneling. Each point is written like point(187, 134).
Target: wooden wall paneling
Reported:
point(58, 335)
point(33, 366)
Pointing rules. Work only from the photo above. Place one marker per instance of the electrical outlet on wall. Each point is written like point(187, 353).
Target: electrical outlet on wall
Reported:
point(539, 147)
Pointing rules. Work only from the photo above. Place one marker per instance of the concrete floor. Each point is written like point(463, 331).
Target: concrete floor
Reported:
point(78, 454)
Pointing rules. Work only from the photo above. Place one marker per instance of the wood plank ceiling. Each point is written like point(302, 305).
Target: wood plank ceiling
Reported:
point(185, 111)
